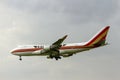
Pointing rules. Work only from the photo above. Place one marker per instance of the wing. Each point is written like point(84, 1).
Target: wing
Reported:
point(57, 44)
point(53, 50)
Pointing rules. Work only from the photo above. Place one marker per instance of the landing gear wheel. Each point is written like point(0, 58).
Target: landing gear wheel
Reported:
point(51, 56)
point(20, 58)
point(57, 58)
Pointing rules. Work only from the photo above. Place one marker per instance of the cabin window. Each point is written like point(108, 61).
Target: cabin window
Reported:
point(38, 46)
point(35, 46)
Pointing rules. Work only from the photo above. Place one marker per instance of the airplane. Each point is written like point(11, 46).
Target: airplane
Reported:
point(58, 49)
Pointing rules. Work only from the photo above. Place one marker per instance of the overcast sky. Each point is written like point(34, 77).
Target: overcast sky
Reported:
point(43, 22)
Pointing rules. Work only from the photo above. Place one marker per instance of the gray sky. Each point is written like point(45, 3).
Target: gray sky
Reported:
point(43, 22)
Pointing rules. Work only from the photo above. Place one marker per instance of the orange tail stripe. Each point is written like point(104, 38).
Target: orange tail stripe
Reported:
point(101, 35)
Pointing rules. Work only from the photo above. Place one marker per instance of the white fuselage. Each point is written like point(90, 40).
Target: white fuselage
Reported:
point(33, 50)
point(56, 49)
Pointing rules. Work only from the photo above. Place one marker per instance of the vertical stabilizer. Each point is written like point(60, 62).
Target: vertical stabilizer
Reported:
point(99, 38)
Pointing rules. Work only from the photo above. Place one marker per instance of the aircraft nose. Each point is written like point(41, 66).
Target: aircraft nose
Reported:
point(12, 51)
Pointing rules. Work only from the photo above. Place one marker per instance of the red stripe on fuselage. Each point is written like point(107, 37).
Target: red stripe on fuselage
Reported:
point(26, 50)
point(62, 48)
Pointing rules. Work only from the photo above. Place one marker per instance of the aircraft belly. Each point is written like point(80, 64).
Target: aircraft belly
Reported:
point(73, 50)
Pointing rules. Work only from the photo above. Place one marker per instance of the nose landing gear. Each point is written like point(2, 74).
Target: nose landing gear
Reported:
point(20, 58)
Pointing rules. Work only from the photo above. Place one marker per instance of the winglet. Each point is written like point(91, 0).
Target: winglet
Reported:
point(99, 38)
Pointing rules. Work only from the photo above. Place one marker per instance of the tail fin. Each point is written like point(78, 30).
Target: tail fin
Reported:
point(100, 38)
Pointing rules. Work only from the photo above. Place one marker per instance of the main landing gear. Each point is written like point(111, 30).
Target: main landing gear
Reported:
point(20, 58)
point(57, 57)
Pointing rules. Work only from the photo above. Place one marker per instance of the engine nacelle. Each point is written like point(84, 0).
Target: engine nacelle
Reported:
point(49, 57)
point(67, 55)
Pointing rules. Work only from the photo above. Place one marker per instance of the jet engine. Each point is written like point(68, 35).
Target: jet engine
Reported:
point(67, 55)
